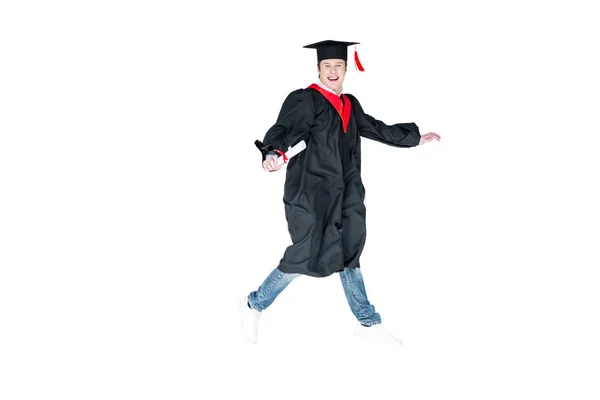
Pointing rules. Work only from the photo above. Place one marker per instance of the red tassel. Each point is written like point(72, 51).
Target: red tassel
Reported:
point(357, 61)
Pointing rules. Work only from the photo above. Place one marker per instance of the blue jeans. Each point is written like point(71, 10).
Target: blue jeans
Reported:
point(352, 281)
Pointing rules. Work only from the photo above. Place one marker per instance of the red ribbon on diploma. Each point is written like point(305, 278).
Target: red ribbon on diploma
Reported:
point(281, 153)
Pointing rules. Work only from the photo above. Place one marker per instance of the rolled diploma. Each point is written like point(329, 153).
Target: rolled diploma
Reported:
point(301, 145)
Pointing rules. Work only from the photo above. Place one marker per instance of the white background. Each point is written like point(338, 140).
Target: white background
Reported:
point(134, 212)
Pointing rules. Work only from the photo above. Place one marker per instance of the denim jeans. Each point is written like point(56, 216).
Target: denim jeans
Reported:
point(352, 281)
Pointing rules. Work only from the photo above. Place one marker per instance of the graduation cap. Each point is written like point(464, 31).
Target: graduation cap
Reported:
point(335, 49)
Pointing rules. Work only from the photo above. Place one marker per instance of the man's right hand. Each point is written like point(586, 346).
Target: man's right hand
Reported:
point(272, 163)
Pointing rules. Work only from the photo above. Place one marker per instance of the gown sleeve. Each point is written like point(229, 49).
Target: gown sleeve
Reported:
point(293, 123)
point(397, 135)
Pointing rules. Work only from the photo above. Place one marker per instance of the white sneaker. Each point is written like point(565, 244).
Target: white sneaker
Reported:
point(376, 333)
point(249, 319)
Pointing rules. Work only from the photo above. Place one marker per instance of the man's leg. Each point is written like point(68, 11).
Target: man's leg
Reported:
point(266, 293)
point(354, 288)
point(369, 321)
point(251, 306)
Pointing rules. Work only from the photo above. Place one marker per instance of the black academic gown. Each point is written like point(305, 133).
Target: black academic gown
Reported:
point(324, 194)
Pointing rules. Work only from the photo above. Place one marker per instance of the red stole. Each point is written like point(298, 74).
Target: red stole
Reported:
point(343, 108)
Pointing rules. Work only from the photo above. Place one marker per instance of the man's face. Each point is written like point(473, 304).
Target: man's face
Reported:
point(332, 73)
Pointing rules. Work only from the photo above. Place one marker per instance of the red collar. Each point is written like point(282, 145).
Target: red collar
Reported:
point(343, 108)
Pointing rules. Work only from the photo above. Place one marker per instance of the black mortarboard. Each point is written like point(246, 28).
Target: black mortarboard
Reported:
point(334, 49)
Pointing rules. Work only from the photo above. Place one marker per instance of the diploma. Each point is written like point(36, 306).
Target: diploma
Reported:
point(292, 151)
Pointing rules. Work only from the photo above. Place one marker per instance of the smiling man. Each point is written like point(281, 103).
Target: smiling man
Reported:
point(324, 192)
point(332, 74)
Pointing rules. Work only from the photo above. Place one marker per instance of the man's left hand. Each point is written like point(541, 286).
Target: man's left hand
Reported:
point(428, 137)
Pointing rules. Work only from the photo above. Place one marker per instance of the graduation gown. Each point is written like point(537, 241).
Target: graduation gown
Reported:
point(323, 193)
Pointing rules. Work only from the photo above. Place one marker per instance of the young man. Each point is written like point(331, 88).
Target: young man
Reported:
point(323, 193)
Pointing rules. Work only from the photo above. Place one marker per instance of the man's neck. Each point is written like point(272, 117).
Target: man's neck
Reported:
point(329, 89)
